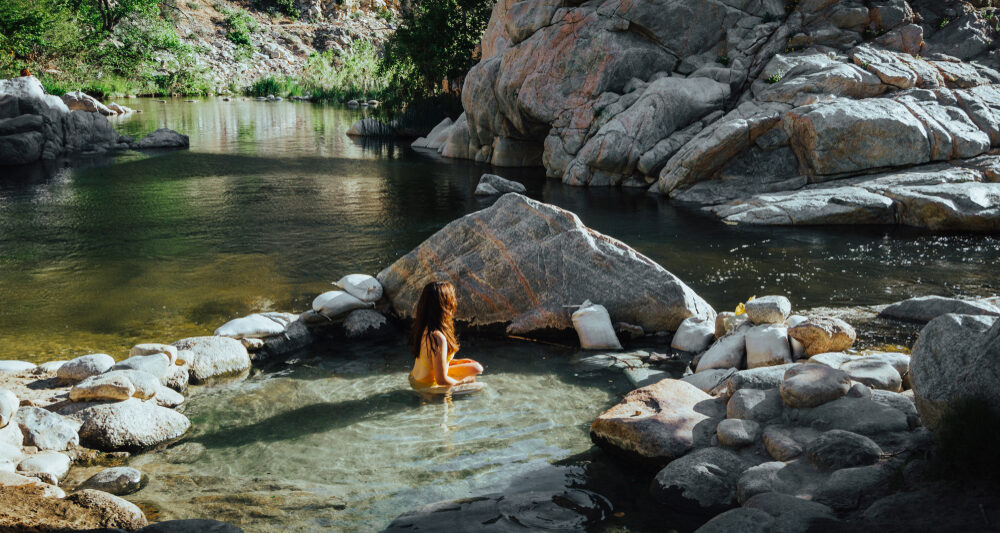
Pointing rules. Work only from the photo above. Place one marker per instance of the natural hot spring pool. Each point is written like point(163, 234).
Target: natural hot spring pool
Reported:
point(337, 440)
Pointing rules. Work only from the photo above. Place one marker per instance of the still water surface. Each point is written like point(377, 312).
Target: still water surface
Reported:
point(271, 204)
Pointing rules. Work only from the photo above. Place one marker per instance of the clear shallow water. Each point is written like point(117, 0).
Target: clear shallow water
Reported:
point(273, 202)
point(339, 441)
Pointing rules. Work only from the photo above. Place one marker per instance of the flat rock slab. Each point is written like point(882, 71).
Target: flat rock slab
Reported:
point(858, 415)
point(53, 463)
point(131, 425)
point(874, 373)
point(517, 263)
point(927, 308)
point(659, 423)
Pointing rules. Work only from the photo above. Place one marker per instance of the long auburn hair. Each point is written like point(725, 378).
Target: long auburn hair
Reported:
point(435, 311)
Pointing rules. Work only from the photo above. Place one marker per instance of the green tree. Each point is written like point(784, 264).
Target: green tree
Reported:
point(104, 15)
point(437, 39)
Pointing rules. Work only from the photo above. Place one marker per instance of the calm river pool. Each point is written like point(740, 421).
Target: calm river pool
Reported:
point(272, 203)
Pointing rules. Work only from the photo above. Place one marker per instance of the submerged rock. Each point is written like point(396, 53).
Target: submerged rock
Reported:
point(115, 511)
point(365, 323)
point(191, 525)
point(119, 480)
point(519, 262)
point(660, 422)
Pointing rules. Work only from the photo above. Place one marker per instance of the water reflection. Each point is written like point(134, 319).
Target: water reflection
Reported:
point(273, 201)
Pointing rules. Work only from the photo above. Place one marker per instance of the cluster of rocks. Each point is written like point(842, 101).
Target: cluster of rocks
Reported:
point(92, 406)
point(781, 427)
point(36, 126)
point(811, 112)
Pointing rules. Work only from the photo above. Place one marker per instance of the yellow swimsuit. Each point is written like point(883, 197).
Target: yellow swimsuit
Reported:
point(422, 375)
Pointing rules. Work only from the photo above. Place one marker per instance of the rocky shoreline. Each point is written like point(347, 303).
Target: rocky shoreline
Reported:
point(35, 126)
point(758, 411)
point(762, 113)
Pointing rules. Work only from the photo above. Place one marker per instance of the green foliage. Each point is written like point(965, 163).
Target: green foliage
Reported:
point(723, 60)
point(437, 39)
point(329, 77)
point(944, 22)
point(240, 26)
point(193, 5)
point(776, 77)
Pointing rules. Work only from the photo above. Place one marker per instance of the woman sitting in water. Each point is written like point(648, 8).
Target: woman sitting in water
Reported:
point(433, 341)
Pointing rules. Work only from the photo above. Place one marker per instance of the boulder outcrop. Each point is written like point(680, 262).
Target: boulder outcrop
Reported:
point(762, 113)
point(520, 262)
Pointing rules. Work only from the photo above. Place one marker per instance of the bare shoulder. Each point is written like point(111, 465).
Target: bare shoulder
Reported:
point(437, 339)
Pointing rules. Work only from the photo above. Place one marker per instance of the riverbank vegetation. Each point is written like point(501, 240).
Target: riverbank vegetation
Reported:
point(129, 47)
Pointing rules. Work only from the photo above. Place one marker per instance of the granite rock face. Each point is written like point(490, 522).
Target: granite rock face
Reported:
point(760, 115)
point(519, 262)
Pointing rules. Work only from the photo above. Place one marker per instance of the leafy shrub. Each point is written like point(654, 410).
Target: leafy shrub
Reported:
point(240, 26)
point(776, 77)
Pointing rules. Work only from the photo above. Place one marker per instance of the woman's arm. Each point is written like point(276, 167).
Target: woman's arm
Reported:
point(439, 359)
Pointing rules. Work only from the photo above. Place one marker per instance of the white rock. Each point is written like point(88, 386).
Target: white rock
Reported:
point(830, 359)
point(54, 463)
point(252, 326)
point(768, 309)
point(10, 479)
point(798, 349)
point(695, 334)
point(47, 430)
point(157, 364)
point(10, 454)
point(727, 352)
point(130, 425)
point(8, 406)
point(167, 397)
point(336, 303)
point(51, 366)
point(85, 366)
point(361, 286)
point(210, 357)
point(767, 346)
point(150, 348)
point(12, 436)
point(16, 366)
point(874, 372)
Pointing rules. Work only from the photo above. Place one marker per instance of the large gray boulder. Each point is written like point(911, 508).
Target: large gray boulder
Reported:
point(659, 423)
point(703, 481)
point(955, 359)
point(130, 425)
point(210, 357)
point(519, 262)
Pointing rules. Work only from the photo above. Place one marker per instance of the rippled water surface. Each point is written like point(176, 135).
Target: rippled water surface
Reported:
point(270, 204)
point(273, 201)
